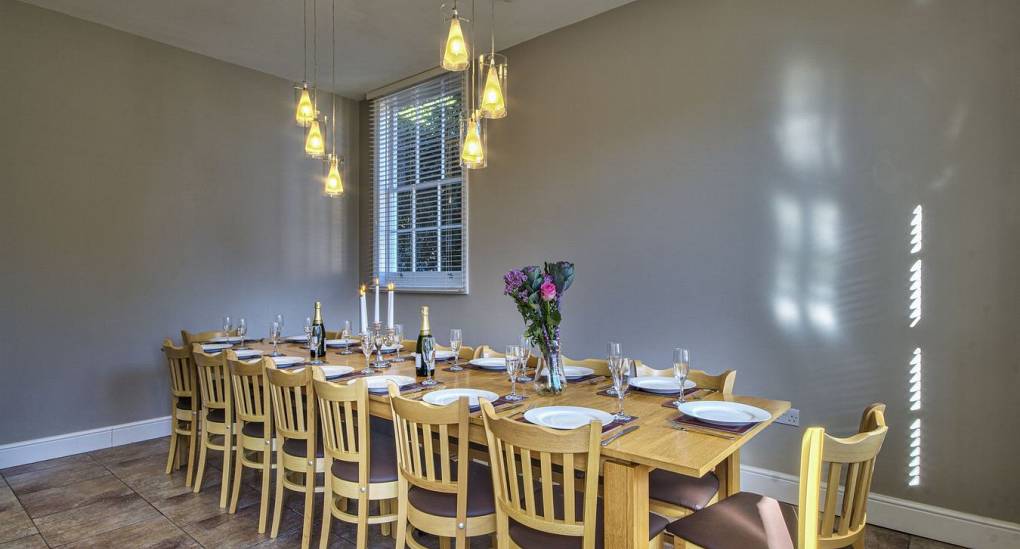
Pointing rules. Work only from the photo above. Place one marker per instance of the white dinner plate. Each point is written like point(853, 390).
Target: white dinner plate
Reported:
point(245, 354)
point(490, 363)
point(445, 355)
point(566, 417)
point(226, 339)
point(659, 384)
point(446, 396)
point(344, 342)
point(391, 348)
point(380, 383)
point(723, 413)
point(287, 360)
point(335, 371)
point(573, 372)
point(302, 338)
point(215, 347)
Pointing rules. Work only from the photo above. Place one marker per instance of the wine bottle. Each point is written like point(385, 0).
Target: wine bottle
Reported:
point(317, 321)
point(424, 346)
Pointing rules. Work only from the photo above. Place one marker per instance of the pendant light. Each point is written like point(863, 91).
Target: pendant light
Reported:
point(334, 183)
point(455, 54)
point(473, 148)
point(315, 145)
point(492, 103)
point(304, 113)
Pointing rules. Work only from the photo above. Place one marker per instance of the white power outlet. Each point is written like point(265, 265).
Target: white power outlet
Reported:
point(791, 417)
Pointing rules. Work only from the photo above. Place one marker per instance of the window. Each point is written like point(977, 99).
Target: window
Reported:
point(418, 220)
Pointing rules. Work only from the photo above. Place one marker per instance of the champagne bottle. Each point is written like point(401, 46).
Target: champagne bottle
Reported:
point(425, 344)
point(317, 321)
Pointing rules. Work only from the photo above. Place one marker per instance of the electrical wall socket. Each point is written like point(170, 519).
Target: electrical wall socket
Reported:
point(791, 417)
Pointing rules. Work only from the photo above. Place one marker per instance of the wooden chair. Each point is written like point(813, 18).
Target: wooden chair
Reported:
point(183, 407)
point(217, 414)
point(751, 521)
point(440, 490)
point(255, 428)
point(536, 506)
point(674, 495)
point(190, 338)
point(361, 461)
point(484, 351)
point(299, 453)
point(464, 354)
point(599, 365)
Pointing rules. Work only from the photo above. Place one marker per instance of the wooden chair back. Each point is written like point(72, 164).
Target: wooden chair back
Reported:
point(182, 370)
point(599, 365)
point(251, 399)
point(526, 486)
point(426, 443)
point(485, 351)
point(293, 402)
point(825, 520)
point(213, 380)
point(723, 382)
point(190, 338)
point(343, 411)
point(465, 352)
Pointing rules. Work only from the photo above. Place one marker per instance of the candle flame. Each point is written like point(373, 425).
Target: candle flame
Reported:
point(391, 286)
point(362, 290)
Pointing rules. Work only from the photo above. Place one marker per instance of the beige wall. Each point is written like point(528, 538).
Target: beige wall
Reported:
point(146, 189)
point(738, 177)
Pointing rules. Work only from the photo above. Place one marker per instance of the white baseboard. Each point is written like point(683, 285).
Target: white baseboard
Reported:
point(903, 515)
point(40, 449)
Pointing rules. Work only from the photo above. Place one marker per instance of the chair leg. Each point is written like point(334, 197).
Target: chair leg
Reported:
point(309, 510)
point(384, 509)
point(172, 454)
point(201, 460)
point(267, 469)
point(192, 438)
point(228, 450)
point(278, 500)
point(362, 536)
point(444, 543)
point(401, 524)
point(327, 508)
point(462, 539)
point(238, 473)
point(656, 542)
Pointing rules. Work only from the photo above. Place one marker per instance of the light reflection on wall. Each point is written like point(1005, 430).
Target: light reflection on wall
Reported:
point(916, 361)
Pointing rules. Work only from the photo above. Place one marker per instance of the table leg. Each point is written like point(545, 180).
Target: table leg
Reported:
point(729, 475)
point(626, 505)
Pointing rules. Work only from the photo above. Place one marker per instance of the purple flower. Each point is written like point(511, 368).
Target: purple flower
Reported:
point(514, 280)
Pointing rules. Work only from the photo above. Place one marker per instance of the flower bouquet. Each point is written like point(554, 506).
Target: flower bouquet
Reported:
point(537, 293)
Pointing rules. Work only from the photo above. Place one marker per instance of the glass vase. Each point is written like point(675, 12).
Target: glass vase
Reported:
point(552, 381)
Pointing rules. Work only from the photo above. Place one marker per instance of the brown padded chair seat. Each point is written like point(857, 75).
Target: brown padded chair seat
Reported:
point(383, 464)
point(254, 429)
point(480, 500)
point(184, 403)
point(217, 414)
point(690, 492)
point(742, 521)
point(299, 448)
point(528, 537)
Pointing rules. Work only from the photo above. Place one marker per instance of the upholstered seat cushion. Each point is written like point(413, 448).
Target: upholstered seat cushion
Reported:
point(217, 415)
point(254, 429)
point(299, 448)
point(184, 403)
point(383, 460)
point(480, 500)
point(742, 521)
point(690, 492)
point(524, 536)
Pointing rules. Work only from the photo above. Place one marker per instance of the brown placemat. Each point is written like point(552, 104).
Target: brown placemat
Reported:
point(605, 392)
point(693, 422)
point(405, 389)
point(498, 402)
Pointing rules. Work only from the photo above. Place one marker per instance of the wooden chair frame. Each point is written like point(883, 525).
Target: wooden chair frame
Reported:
point(252, 405)
point(181, 367)
point(416, 424)
point(214, 382)
point(190, 338)
point(346, 436)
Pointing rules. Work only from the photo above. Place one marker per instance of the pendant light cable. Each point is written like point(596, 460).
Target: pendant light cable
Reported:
point(332, 58)
point(304, 37)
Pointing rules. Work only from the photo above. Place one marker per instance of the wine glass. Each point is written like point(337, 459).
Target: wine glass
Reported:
point(228, 327)
point(614, 353)
point(621, 382)
point(242, 330)
point(274, 337)
point(308, 327)
point(279, 319)
point(366, 349)
point(345, 335)
point(378, 342)
point(681, 367)
point(428, 356)
point(456, 339)
point(398, 336)
point(525, 345)
point(513, 367)
point(314, 338)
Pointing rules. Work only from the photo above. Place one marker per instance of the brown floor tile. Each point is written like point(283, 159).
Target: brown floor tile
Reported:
point(186, 507)
point(876, 537)
point(94, 519)
point(132, 468)
point(14, 521)
point(34, 541)
point(917, 542)
point(78, 494)
point(49, 463)
point(156, 446)
point(155, 532)
point(241, 529)
point(60, 475)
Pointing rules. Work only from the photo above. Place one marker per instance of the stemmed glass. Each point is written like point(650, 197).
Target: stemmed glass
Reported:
point(513, 369)
point(378, 342)
point(681, 367)
point(456, 339)
point(308, 328)
point(428, 356)
point(346, 336)
point(614, 354)
point(242, 330)
point(398, 337)
point(366, 349)
point(620, 370)
point(274, 337)
point(314, 337)
point(228, 327)
point(525, 345)
point(279, 320)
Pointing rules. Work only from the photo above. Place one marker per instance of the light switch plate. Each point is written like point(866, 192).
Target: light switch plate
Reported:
point(791, 417)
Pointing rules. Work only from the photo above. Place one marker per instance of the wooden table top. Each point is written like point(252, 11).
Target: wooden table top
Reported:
point(655, 443)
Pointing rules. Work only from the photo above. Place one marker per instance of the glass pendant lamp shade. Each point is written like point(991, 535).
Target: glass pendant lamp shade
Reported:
point(315, 145)
point(334, 184)
point(455, 50)
point(305, 112)
point(492, 103)
point(472, 153)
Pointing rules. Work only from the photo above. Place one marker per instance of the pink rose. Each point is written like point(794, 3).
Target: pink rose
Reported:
point(548, 291)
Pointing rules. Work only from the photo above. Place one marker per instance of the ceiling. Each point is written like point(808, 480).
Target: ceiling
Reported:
point(377, 41)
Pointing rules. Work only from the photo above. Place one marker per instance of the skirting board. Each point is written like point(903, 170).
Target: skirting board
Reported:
point(40, 449)
point(903, 515)
point(889, 512)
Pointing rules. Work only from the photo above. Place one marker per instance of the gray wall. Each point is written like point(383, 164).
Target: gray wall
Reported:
point(145, 190)
point(738, 177)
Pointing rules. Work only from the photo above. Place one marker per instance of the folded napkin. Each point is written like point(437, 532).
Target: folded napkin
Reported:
point(693, 422)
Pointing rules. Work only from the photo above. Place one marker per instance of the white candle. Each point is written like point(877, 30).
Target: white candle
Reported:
point(389, 313)
point(376, 301)
point(364, 311)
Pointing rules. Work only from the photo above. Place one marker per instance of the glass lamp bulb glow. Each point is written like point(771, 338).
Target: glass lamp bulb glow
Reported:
point(314, 144)
point(492, 104)
point(305, 112)
point(455, 53)
point(334, 185)
point(473, 154)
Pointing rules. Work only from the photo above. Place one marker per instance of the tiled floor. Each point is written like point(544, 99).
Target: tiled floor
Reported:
point(120, 497)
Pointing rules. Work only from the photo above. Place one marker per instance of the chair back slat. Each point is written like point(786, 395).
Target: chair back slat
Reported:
point(424, 435)
point(529, 489)
point(213, 379)
point(722, 382)
point(181, 369)
point(251, 400)
point(343, 413)
point(292, 396)
point(190, 338)
point(599, 365)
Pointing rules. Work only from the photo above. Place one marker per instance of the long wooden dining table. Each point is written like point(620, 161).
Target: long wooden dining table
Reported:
point(656, 444)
